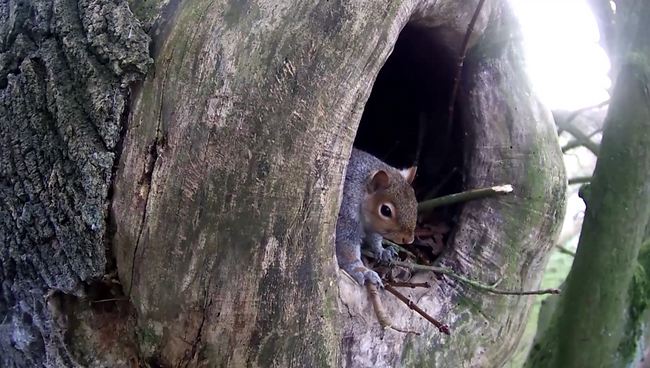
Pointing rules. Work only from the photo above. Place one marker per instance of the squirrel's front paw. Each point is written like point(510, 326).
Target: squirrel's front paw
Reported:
point(373, 277)
point(368, 275)
point(387, 254)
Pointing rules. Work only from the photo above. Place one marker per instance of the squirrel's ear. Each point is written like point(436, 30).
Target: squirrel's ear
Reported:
point(409, 174)
point(380, 180)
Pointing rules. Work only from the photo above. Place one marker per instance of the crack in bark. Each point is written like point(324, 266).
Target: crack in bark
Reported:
point(150, 165)
point(190, 354)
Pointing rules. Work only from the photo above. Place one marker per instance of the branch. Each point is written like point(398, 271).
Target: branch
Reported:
point(581, 139)
point(442, 183)
point(421, 133)
point(565, 250)
point(580, 180)
point(411, 285)
point(459, 70)
point(463, 196)
point(579, 111)
point(389, 243)
point(442, 328)
point(382, 316)
point(463, 279)
point(576, 143)
point(475, 284)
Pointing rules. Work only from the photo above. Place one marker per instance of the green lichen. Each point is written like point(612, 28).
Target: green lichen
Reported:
point(146, 11)
point(150, 339)
point(639, 298)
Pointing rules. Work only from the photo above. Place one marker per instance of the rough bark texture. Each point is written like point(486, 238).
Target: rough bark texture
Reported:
point(64, 70)
point(599, 319)
point(228, 187)
point(229, 183)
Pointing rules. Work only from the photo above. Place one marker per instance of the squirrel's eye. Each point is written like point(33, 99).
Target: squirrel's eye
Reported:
point(385, 211)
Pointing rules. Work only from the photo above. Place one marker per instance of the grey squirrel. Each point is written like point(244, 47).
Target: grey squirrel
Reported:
point(378, 202)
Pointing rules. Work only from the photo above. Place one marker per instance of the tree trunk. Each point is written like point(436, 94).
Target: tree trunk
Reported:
point(598, 321)
point(64, 75)
point(224, 203)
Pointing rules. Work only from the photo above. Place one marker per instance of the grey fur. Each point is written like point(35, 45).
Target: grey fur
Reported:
point(352, 228)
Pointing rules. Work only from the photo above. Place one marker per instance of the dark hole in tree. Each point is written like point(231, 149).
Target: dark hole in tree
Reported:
point(413, 88)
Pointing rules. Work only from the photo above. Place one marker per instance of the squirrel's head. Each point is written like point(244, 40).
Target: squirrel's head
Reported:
point(391, 208)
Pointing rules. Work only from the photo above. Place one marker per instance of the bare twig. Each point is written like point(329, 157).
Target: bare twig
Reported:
point(580, 180)
point(475, 284)
point(440, 185)
point(461, 62)
point(581, 139)
point(571, 145)
point(576, 143)
point(380, 312)
point(565, 250)
point(109, 300)
point(463, 196)
point(465, 280)
point(411, 285)
point(577, 112)
point(442, 328)
point(599, 130)
point(387, 242)
point(421, 133)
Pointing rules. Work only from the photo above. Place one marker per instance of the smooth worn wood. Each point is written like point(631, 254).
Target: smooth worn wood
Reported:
point(227, 188)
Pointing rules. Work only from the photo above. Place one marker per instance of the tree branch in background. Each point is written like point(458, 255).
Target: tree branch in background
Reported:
point(582, 110)
point(580, 180)
point(565, 250)
point(463, 196)
point(576, 143)
point(581, 139)
point(595, 321)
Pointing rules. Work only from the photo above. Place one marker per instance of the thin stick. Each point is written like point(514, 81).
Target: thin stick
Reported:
point(565, 250)
point(463, 196)
point(577, 112)
point(580, 180)
point(442, 328)
point(475, 284)
point(411, 285)
point(380, 312)
point(109, 300)
point(387, 243)
point(442, 183)
point(459, 70)
point(463, 279)
point(581, 138)
point(421, 132)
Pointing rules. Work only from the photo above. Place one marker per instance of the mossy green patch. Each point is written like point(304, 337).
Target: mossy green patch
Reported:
point(639, 298)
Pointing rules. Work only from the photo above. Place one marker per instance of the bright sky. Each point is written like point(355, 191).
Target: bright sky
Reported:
point(567, 66)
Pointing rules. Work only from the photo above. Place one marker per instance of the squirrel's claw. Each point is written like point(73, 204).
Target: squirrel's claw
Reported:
point(387, 254)
point(372, 276)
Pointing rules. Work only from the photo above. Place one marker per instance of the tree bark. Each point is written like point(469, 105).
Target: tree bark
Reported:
point(598, 320)
point(224, 203)
point(64, 75)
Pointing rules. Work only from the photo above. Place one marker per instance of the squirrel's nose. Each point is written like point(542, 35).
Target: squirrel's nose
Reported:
point(408, 240)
